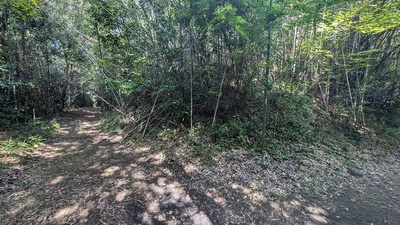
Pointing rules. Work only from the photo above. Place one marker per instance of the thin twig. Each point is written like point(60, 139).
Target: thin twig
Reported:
point(219, 96)
point(110, 104)
point(148, 118)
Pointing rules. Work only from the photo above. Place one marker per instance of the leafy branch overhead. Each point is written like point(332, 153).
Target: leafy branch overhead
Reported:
point(23, 9)
point(371, 17)
point(226, 15)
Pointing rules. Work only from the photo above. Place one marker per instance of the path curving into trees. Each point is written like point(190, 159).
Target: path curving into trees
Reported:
point(221, 112)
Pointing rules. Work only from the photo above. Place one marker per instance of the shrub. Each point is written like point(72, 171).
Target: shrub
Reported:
point(290, 117)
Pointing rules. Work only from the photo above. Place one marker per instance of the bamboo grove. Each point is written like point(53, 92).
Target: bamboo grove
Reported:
point(227, 64)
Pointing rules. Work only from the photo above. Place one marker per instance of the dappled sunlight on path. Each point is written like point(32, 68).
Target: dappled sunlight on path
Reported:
point(84, 176)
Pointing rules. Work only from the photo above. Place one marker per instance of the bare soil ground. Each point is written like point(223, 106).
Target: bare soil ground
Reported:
point(84, 176)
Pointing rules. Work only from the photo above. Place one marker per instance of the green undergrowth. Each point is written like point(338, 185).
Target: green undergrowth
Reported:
point(290, 119)
point(387, 129)
point(18, 139)
point(295, 125)
point(113, 123)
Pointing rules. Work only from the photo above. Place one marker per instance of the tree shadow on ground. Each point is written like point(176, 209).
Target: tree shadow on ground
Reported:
point(84, 176)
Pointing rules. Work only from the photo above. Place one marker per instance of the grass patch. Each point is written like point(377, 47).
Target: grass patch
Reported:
point(21, 138)
point(3, 167)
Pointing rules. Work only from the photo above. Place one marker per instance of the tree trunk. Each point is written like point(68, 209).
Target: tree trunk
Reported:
point(267, 74)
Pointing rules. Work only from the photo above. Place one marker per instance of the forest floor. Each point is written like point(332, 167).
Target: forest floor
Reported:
point(85, 176)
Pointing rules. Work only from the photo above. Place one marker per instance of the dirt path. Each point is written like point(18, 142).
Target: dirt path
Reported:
point(83, 176)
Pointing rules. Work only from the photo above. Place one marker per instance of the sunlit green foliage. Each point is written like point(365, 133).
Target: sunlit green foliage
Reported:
point(371, 17)
point(22, 9)
point(22, 138)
